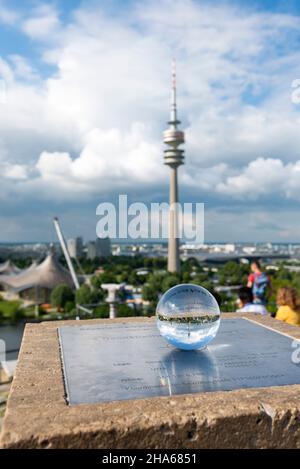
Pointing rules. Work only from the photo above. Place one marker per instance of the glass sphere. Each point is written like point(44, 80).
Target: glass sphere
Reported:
point(188, 317)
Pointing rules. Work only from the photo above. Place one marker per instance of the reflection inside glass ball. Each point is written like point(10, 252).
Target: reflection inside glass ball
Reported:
point(188, 317)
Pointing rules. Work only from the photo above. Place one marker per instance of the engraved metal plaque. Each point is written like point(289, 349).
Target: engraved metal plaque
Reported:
point(131, 361)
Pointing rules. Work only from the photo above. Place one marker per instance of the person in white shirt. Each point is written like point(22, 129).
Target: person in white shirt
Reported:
point(246, 304)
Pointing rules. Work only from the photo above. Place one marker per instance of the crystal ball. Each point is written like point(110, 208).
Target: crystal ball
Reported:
point(188, 317)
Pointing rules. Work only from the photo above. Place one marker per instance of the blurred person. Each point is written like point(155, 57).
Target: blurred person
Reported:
point(259, 282)
point(246, 302)
point(288, 303)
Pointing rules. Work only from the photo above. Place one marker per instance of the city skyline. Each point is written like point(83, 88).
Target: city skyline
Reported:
point(84, 98)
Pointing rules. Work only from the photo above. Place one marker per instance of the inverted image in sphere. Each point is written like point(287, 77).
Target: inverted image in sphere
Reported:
point(188, 317)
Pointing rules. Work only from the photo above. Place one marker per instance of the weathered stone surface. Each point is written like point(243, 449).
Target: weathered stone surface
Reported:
point(37, 415)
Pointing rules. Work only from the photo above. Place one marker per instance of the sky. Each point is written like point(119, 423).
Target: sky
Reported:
point(84, 99)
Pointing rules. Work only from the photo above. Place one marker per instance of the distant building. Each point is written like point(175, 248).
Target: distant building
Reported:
point(91, 250)
point(75, 247)
point(230, 248)
point(103, 247)
point(99, 248)
point(250, 250)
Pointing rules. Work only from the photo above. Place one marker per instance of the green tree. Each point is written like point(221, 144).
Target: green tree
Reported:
point(101, 311)
point(86, 296)
point(96, 287)
point(157, 284)
point(170, 281)
point(108, 276)
point(159, 263)
point(125, 311)
point(203, 282)
point(186, 277)
point(150, 293)
point(61, 295)
point(69, 306)
point(233, 273)
point(11, 310)
point(190, 265)
point(200, 278)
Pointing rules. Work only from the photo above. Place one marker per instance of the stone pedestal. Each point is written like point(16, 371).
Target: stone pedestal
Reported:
point(38, 415)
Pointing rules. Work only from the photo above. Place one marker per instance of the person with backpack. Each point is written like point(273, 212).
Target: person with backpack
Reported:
point(246, 303)
point(259, 282)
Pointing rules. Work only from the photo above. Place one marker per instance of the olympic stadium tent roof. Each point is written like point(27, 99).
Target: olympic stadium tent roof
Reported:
point(8, 268)
point(34, 265)
point(48, 274)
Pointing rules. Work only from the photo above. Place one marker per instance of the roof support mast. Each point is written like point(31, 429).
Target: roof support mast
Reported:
point(66, 253)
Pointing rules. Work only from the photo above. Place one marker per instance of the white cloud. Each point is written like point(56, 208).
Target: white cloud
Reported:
point(22, 68)
point(264, 177)
point(125, 158)
point(6, 72)
point(15, 171)
point(43, 24)
point(94, 125)
point(7, 15)
point(114, 76)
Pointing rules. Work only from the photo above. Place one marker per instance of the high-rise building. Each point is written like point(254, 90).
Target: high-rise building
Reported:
point(75, 247)
point(99, 248)
point(91, 250)
point(103, 247)
point(174, 157)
